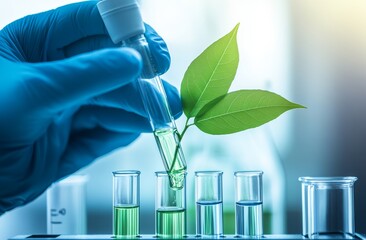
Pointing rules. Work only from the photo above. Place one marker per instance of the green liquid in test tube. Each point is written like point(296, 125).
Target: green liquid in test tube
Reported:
point(126, 204)
point(125, 26)
point(170, 208)
point(173, 157)
point(123, 215)
point(170, 222)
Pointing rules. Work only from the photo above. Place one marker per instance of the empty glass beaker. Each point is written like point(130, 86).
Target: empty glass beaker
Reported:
point(328, 207)
point(248, 204)
point(170, 208)
point(66, 206)
point(209, 204)
point(126, 204)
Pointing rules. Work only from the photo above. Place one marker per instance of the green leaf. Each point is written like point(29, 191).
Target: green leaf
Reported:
point(210, 74)
point(241, 110)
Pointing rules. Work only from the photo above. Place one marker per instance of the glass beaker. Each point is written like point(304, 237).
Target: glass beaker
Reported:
point(66, 206)
point(170, 208)
point(328, 207)
point(126, 204)
point(209, 212)
point(248, 204)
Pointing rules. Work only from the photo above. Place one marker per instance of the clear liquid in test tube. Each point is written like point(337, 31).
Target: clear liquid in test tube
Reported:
point(248, 204)
point(209, 210)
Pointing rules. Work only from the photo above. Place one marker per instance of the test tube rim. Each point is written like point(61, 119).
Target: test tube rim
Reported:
point(248, 173)
point(164, 173)
point(208, 173)
point(126, 173)
point(328, 180)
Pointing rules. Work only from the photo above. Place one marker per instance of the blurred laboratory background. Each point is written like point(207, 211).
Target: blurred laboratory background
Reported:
point(311, 52)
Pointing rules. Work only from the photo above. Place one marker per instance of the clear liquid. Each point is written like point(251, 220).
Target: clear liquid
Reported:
point(174, 162)
point(209, 218)
point(249, 218)
point(126, 221)
point(171, 222)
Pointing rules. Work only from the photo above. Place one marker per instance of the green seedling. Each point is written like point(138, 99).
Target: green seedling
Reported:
point(207, 102)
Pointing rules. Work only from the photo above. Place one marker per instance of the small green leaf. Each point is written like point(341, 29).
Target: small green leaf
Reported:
point(210, 74)
point(241, 110)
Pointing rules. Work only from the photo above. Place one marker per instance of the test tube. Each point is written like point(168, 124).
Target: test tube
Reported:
point(126, 204)
point(249, 204)
point(170, 207)
point(208, 186)
point(125, 26)
point(328, 207)
point(66, 206)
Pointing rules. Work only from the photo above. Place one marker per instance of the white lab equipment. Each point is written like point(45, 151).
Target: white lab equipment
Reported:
point(66, 206)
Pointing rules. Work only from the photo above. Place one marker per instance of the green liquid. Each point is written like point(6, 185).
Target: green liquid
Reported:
point(173, 158)
point(126, 221)
point(171, 222)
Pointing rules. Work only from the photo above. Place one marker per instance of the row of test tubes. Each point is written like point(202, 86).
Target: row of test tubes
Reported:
point(327, 206)
point(170, 205)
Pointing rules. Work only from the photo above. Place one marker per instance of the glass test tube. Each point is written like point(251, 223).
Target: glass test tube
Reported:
point(249, 204)
point(328, 207)
point(170, 206)
point(209, 211)
point(126, 204)
point(125, 26)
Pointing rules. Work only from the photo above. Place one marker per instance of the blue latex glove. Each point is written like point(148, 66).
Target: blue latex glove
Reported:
point(67, 97)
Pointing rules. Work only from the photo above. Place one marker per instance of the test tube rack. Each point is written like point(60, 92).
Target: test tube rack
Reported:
point(153, 237)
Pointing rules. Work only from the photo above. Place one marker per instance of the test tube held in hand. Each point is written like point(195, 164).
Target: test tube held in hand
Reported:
point(209, 210)
point(249, 204)
point(125, 26)
point(126, 204)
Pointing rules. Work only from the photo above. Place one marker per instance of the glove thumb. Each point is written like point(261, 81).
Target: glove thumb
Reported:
point(72, 81)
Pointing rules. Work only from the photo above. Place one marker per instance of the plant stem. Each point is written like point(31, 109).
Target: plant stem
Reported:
point(180, 137)
point(186, 126)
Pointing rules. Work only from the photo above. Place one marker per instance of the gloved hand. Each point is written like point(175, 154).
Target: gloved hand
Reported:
point(67, 97)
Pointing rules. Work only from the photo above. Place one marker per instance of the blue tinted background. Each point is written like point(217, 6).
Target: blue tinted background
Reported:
point(311, 52)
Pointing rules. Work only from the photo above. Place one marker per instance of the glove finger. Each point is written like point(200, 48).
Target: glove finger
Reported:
point(57, 85)
point(87, 45)
point(86, 32)
point(129, 98)
point(159, 50)
point(70, 24)
point(112, 119)
point(84, 147)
